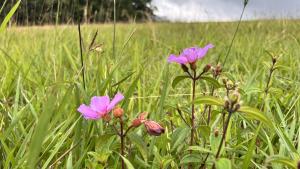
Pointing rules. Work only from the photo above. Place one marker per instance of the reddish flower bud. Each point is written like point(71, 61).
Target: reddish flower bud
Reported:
point(153, 128)
point(136, 123)
point(118, 112)
point(143, 116)
point(193, 66)
point(218, 70)
point(207, 68)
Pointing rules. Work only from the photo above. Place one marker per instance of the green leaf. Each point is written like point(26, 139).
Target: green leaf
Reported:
point(123, 80)
point(205, 131)
point(179, 136)
point(210, 100)
point(9, 15)
point(223, 163)
point(40, 132)
point(199, 149)
point(177, 79)
point(191, 158)
point(254, 113)
point(246, 162)
point(282, 160)
point(215, 83)
point(126, 161)
point(139, 143)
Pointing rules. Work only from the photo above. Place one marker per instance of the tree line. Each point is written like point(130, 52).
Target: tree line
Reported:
point(38, 12)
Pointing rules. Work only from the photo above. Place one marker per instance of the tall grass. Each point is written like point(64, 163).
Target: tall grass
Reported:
point(41, 89)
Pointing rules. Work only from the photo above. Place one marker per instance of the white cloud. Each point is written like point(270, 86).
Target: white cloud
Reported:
point(225, 10)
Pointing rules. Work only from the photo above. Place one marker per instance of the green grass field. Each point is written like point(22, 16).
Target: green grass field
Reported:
point(41, 89)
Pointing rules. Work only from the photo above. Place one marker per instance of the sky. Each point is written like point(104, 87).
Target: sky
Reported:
point(225, 10)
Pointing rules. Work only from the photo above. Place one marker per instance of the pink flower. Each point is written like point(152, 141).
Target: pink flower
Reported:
point(190, 55)
point(99, 106)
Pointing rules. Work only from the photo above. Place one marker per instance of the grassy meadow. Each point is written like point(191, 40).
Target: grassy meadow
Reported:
point(41, 88)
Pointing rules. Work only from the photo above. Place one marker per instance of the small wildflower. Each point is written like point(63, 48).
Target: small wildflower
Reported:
point(118, 112)
point(99, 106)
point(190, 55)
point(153, 128)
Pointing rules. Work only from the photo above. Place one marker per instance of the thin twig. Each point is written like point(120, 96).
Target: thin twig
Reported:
point(233, 38)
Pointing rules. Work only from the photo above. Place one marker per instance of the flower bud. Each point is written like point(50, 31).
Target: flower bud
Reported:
point(193, 66)
point(207, 68)
point(153, 128)
point(218, 70)
point(274, 60)
point(184, 68)
point(106, 117)
point(216, 132)
point(235, 97)
point(136, 123)
point(143, 116)
point(118, 112)
point(236, 107)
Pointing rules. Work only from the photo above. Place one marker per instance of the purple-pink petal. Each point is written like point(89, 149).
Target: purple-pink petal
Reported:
point(88, 113)
point(202, 51)
point(190, 54)
point(179, 59)
point(118, 97)
point(99, 103)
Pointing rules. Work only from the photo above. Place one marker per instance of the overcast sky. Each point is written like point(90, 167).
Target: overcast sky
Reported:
point(225, 10)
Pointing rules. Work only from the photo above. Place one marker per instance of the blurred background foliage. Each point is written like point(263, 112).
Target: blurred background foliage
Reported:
point(39, 12)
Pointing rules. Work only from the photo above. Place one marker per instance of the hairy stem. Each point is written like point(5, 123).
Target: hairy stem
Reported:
point(224, 135)
point(122, 136)
point(193, 113)
point(193, 110)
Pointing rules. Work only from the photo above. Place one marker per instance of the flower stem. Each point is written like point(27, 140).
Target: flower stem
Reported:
point(224, 135)
point(193, 110)
point(193, 113)
point(122, 136)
